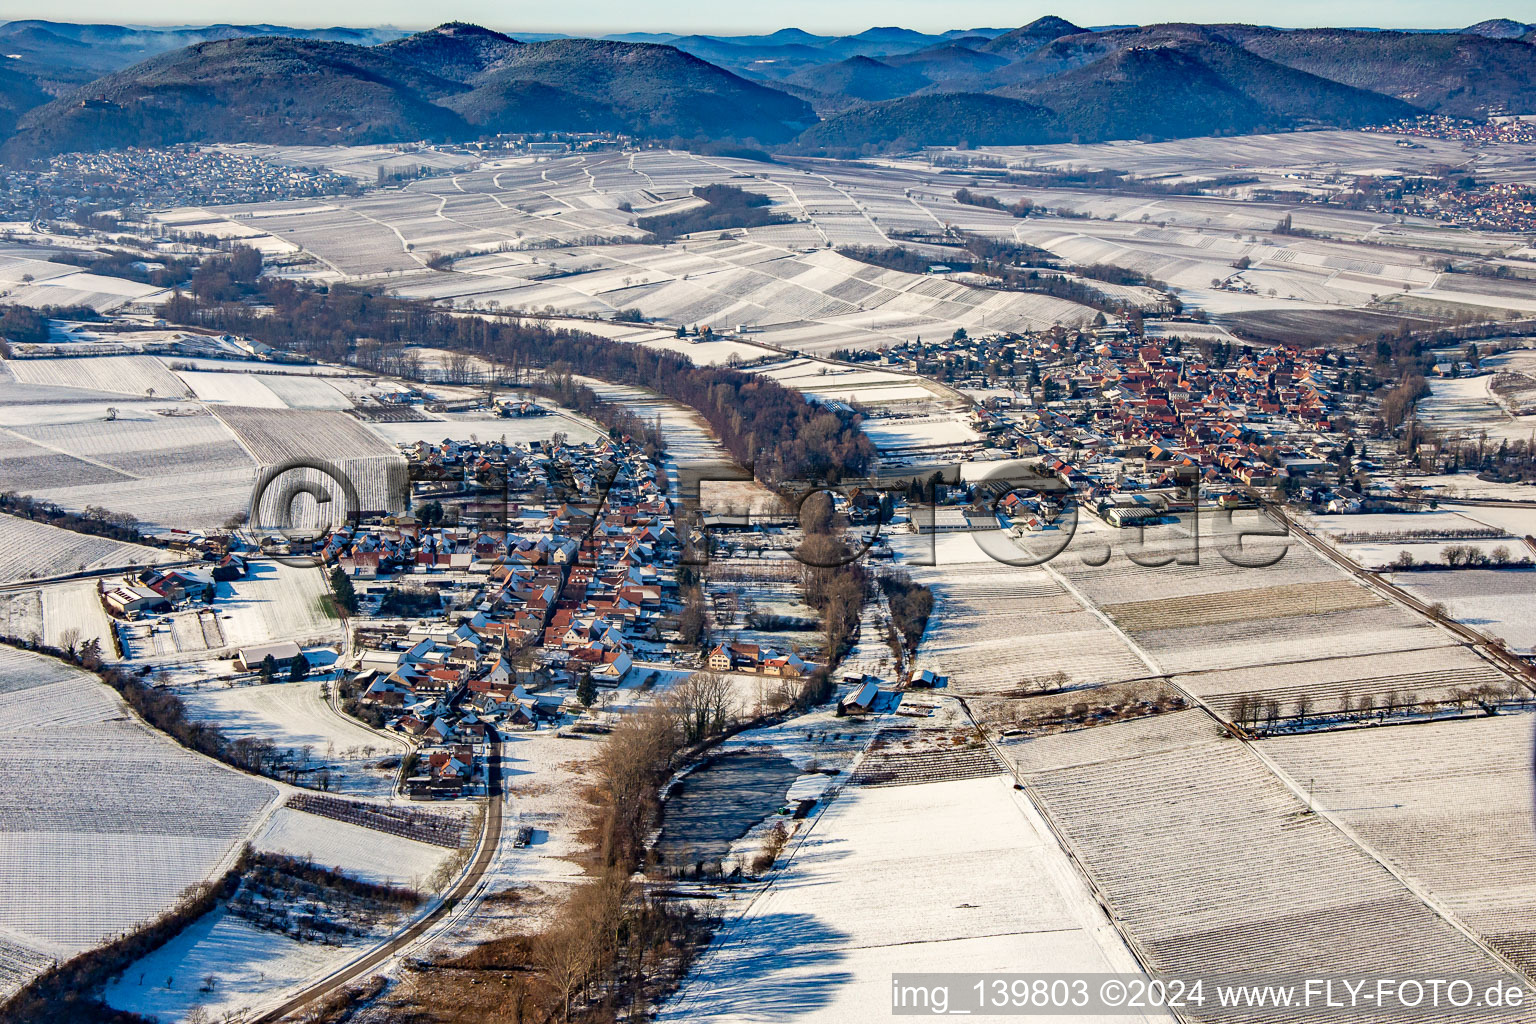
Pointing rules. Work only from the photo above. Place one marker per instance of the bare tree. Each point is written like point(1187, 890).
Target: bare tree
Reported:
point(564, 954)
point(701, 705)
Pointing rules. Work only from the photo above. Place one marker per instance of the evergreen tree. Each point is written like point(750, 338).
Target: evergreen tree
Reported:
point(346, 595)
point(586, 691)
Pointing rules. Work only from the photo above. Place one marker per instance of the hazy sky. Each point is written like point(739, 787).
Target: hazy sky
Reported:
point(712, 16)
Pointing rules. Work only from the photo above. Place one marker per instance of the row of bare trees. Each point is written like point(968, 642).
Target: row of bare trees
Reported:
point(1268, 715)
point(614, 945)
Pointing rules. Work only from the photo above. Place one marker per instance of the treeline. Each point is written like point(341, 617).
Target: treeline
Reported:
point(1398, 403)
point(1107, 178)
point(895, 257)
point(760, 422)
point(833, 581)
point(97, 522)
point(1004, 261)
point(27, 326)
point(1018, 208)
point(276, 872)
point(911, 605)
point(726, 207)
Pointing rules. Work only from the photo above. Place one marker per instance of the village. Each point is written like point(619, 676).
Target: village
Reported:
point(81, 183)
point(548, 581)
point(1113, 413)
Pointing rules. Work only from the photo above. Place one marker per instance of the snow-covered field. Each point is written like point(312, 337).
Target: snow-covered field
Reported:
point(781, 280)
point(59, 284)
point(276, 602)
point(296, 716)
point(1500, 603)
point(947, 876)
point(1210, 862)
point(249, 966)
point(231, 389)
point(103, 822)
point(73, 611)
point(364, 853)
point(513, 428)
point(1466, 407)
point(973, 634)
point(133, 375)
point(1449, 802)
point(168, 463)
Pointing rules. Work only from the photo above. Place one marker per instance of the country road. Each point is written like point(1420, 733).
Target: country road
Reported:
point(489, 842)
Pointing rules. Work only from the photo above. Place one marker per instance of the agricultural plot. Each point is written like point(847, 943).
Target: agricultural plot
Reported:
point(1499, 603)
point(513, 428)
point(1467, 485)
point(364, 853)
point(29, 550)
point(770, 276)
point(1212, 865)
point(335, 752)
point(77, 288)
point(277, 438)
point(127, 821)
point(1225, 607)
point(276, 602)
point(209, 222)
point(133, 375)
point(1380, 539)
point(21, 614)
point(168, 466)
point(1214, 614)
point(979, 604)
point(72, 614)
point(1265, 637)
point(862, 895)
point(1345, 152)
point(1466, 408)
point(1326, 686)
point(306, 391)
point(231, 389)
point(1449, 803)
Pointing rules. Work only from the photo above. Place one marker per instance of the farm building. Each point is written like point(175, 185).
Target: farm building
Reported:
point(134, 601)
point(283, 654)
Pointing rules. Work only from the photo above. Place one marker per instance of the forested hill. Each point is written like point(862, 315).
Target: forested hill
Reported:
point(446, 85)
point(67, 87)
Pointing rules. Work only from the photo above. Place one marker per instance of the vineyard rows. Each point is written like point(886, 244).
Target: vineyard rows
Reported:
point(126, 375)
point(29, 550)
point(406, 822)
point(103, 823)
point(1451, 803)
point(1213, 866)
point(1231, 606)
point(1262, 641)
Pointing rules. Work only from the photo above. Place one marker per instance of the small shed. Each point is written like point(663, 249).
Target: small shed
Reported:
point(860, 700)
